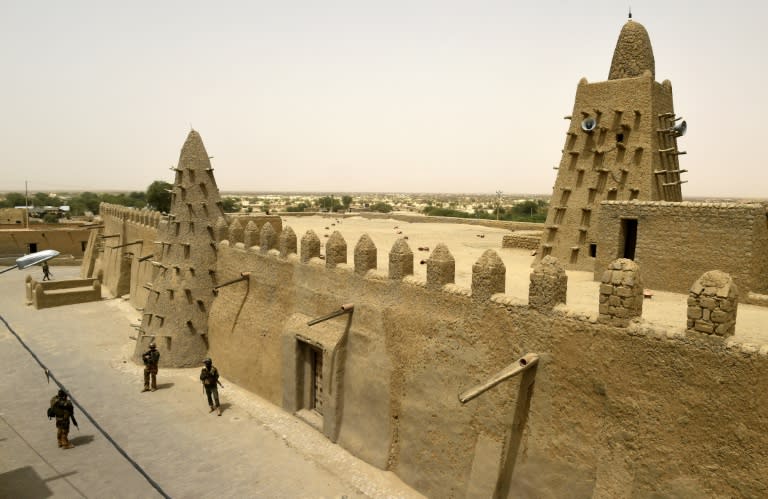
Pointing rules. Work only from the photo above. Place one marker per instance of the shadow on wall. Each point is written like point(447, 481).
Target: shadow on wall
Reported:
point(481, 478)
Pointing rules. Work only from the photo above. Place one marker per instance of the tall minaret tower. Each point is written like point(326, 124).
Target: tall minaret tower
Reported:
point(621, 145)
point(176, 313)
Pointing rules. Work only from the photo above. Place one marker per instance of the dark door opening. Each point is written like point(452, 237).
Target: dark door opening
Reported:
point(316, 394)
point(33, 247)
point(629, 238)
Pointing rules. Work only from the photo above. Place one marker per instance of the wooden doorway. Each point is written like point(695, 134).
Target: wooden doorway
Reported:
point(316, 379)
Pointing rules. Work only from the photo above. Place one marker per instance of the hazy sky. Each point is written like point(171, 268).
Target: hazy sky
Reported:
point(356, 95)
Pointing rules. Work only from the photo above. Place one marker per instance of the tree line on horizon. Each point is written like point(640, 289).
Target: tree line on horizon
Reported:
point(526, 211)
point(158, 197)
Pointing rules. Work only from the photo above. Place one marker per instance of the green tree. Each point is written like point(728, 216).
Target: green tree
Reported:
point(13, 199)
point(329, 203)
point(43, 199)
point(229, 205)
point(381, 207)
point(528, 207)
point(139, 198)
point(298, 207)
point(50, 218)
point(81, 203)
point(158, 196)
point(346, 201)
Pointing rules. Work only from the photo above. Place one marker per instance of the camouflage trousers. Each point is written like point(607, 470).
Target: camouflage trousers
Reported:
point(62, 433)
point(212, 392)
point(150, 377)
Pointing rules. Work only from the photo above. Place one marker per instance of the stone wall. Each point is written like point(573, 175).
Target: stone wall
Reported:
point(682, 416)
point(525, 239)
point(678, 242)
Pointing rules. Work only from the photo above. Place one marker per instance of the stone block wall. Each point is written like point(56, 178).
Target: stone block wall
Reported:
point(712, 304)
point(549, 284)
point(621, 293)
point(678, 242)
point(528, 239)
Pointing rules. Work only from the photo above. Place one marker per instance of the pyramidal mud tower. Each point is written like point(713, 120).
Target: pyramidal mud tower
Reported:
point(621, 145)
point(184, 259)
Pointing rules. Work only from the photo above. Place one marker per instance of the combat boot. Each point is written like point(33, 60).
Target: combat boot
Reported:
point(218, 410)
point(66, 444)
point(146, 389)
point(212, 409)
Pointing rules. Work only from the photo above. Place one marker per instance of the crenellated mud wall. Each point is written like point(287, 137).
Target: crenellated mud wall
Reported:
point(682, 416)
point(118, 253)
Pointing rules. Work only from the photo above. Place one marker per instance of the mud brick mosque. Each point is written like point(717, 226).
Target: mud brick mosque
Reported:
point(609, 406)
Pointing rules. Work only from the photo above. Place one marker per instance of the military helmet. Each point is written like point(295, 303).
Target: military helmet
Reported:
point(207, 361)
point(152, 345)
point(62, 393)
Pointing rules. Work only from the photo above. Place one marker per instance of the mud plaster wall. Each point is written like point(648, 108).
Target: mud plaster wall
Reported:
point(123, 273)
point(683, 415)
point(616, 160)
point(68, 292)
point(259, 221)
point(678, 242)
point(65, 240)
point(14, 216)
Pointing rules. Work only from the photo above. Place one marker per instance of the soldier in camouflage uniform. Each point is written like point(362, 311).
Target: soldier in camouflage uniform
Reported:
point(210, 378)
point(63, 410)
point(151, 358)
point(46, 272)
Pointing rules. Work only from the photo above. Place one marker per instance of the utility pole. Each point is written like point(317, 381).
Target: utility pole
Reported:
point(26, 205)
point(498, 203)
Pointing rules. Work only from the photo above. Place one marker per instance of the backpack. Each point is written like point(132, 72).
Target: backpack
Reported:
point(50, 413)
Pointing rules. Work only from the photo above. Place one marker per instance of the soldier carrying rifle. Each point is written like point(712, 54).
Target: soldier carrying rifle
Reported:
point(61, 408)
point(210, 378)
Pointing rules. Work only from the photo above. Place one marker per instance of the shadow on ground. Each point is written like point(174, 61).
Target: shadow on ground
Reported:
point(81, 440)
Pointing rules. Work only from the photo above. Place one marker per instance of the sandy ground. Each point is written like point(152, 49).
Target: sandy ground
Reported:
point(667, 310)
